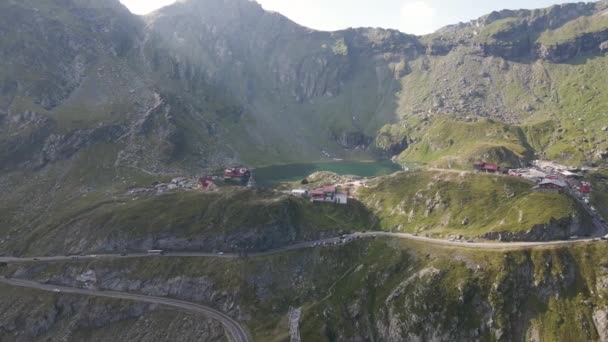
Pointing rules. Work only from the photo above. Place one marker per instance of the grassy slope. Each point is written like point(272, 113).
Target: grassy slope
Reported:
point(561, 108)
point(574, 29)
point(431, 202)
point(450, 143)
point(438, 203)
point(348, 292)
point(240, 213)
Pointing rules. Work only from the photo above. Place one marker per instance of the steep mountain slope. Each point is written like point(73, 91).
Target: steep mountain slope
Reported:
point(95, 101)
point(186, 88)
point(380, 290)
point(297, 89)
point(542, 70)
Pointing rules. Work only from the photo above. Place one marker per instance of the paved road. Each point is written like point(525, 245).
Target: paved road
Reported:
point(314, 244)
point(235, 332)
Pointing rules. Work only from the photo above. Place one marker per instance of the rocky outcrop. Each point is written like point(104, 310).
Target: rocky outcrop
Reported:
point(590, 43)
point(352, 140)
point(600, 318)
point(47, 317)
point(61, 147)
point(25, 134)
point(555, 230)
point(604, 47)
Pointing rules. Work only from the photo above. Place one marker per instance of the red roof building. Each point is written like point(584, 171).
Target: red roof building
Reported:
point(206, 183)
point(237, 173)
point(585, 188)
point(486, 167)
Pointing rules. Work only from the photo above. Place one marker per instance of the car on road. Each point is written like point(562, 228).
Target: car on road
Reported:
point(56, 290)
point(574, 237)
point(220, 253)
point(36, 259)
point(75, 257)
point(605, 237)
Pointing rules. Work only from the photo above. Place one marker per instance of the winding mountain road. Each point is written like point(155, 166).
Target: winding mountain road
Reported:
point(235, 332)
point(314, 244)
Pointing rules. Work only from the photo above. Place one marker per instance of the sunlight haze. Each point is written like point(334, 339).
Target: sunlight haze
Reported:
point(410, 16)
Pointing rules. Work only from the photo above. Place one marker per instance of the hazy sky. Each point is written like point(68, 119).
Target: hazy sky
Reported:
point(411, 16)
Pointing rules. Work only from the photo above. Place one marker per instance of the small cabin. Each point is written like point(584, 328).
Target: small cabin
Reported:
point(237, 173)
point(329, 194)
point(486, 167)
point(206, 183)
point(551, 186)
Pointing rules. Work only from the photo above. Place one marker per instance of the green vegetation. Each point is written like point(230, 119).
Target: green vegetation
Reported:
point(558, 116)
point(499, 30)
point(262, 219)
point(375, 288)
point(460, 203)
point(574, 29)
point(447, 142)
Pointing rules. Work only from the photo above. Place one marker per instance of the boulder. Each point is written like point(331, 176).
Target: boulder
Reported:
point(604, 47)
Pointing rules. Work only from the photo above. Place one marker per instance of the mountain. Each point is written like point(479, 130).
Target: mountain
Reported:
point(537, 74)
point(101, 110)
point(201, 83)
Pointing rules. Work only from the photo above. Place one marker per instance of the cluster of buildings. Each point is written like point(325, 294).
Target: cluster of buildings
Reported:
point(328, 194)
point(548, 176)
point(552, 177)
point(237, 174)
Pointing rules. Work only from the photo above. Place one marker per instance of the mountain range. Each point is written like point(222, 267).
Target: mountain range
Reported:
point(201, 83)
point(100, 108)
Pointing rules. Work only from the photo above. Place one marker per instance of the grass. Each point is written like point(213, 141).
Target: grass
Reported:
point(352, 291)
point(498, 29)
point(258, 218)
point(448, 142)
point(438, 203)
point(574, 29)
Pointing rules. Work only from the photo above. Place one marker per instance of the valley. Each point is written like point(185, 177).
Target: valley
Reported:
point(213, 171)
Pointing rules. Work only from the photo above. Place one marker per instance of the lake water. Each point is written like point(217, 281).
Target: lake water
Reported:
point(293, 172)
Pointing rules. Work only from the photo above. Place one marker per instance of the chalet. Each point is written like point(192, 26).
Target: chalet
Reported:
point(241, 174)
point(329, 194)
point(206, 183)
point(486, 167)
point(551, 185)
point(585, 188)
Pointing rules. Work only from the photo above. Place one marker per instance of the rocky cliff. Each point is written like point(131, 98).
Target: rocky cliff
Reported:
point(380, 290)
